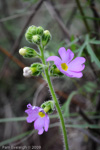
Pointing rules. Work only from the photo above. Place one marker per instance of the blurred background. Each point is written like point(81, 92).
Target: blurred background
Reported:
point(74, 24)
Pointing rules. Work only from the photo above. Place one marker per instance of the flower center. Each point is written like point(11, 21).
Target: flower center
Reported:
point(64, 66)
point(41, 114)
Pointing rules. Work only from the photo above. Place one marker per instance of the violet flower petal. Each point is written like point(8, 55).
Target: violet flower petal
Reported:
point(66, 56)
point(29, 106)
point(40, 131)
point(56, 59)
point(77, 61)
point(77, 64)
point(74, 74)
point(32, 114)
point(39, 123)
point(47, 121)
point(76, 68)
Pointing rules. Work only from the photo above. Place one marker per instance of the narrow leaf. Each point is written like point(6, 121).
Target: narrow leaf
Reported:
point(93, 56)
point(95, 42)
point(12, 119)
point(81, 50)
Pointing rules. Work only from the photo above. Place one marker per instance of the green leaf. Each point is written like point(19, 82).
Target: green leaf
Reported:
point(77, 126)
point(65, 107)
point(81, 50)
point(12, 119)
point(95, 41)
point(73, 42)
point(84, 126)
point(93, 56)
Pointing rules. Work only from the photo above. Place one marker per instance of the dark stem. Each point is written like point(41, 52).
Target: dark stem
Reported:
point(83, 15)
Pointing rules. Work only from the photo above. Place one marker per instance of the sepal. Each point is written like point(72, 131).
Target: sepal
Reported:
point(28, 52)
point(54, 71)
point(48, 106)
point(39, 30)
point(36, 39)
point(31, 31)
point(36, 69)
point(46, 37)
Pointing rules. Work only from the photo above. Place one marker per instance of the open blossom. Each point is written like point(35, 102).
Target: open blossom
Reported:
point(40, 118)
point(69, 67)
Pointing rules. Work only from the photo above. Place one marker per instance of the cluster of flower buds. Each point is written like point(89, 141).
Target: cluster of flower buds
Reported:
point(38, 35)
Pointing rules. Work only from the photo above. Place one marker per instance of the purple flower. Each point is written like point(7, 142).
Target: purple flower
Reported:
point(69, 67)
point(40, 118)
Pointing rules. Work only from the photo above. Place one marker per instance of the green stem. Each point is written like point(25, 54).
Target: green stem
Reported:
point(55, 99)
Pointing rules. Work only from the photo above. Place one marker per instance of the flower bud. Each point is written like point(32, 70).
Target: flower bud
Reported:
point(28, 52)
point(22, 51)
point(36, 39)
point(46, 37)
point(54, 71)
point(30, 32)
point(40, 31)
point(48, 106)
point(36, 69)
point(27, 72)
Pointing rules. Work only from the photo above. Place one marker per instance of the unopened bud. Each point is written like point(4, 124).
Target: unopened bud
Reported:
point(30, 32)
point(28, 52)
point(40, 31)
point(22, 51)
point(46, 37)
point(36, 39)
point(27, 72)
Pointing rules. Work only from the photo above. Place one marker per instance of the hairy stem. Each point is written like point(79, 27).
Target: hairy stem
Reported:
point(55, 99)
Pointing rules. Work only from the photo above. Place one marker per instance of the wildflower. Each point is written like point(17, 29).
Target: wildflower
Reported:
point(69, 67)
point(40, 118)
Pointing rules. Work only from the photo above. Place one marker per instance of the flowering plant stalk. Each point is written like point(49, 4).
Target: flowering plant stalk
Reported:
point(55, 99)
point(65, 65)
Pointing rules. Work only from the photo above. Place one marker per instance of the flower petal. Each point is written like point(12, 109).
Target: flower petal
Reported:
point(77, 64)
point(32, 113)
point(47, 121)
point(29, 106)
point(66, 56)
point(39, 123)
point(40, 131)
point(76, 68)
point(56, 59)
point(73, 74)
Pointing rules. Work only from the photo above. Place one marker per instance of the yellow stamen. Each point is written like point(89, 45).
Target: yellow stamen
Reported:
point(41, 114)
point(64, 66)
